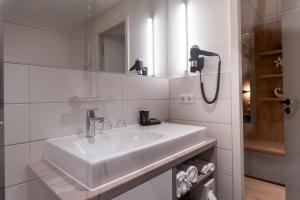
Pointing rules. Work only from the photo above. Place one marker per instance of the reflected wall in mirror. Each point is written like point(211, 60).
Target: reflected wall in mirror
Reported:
point(141, 41)
point(113, 49)
point(93, 35)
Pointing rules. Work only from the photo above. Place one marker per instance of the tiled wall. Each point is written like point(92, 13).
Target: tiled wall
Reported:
point(37, 46)
point(216, 36)
point(217, 118)
point(40, 104)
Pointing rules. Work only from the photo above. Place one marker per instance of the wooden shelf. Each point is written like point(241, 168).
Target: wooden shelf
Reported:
point(271, 53)
point(263, 146)
point(271, 76)
point(271, 99)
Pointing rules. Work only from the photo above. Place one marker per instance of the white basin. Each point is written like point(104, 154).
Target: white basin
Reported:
point(93, 162)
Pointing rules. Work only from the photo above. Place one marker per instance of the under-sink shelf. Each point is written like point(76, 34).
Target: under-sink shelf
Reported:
point(264, 146)
point(200, 180)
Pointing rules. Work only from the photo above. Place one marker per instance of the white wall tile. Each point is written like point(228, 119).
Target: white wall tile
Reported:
point(37, 151)
point(111, 111)
point(224, 161)
point(33, 190)
point(266, 166)
point(108, 86)
point(191, 85)
point(72, 83)
point(225, 186)
point(158, 109)
point(62, 119)
point(50, 120)
point(200, 111)
point(16, 161)
point(17, 192)
point(16, 83)
point(221, 132)
point(32, 46)
point(58, 85)
point(16, 127)
point(140, 88)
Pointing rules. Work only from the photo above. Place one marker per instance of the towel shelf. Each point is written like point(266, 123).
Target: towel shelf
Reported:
point(200, 180)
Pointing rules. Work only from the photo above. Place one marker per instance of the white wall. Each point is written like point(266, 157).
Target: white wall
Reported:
point(137, 13)
point(210, 26)
point(40, 96)
point(114, 54)
point(291, 44)
point(39, 101)
point(24, 44)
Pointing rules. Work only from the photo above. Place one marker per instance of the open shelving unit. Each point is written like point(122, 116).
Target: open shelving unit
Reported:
point(200, 180)
point(271, 76)
point(267, 135)
point(271, 53)
point(275, 99)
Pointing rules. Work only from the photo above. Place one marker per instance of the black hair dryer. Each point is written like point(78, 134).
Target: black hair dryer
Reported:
point(197, 64)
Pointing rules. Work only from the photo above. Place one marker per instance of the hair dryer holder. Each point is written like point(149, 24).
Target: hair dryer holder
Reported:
point(197, 64)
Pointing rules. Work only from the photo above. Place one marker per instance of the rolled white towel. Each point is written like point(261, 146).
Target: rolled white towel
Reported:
point(181, 183)
point(201, 166)
point(205, 170)
point(211, 195)
point(211, 167)
point(185, 187)
point(192, 174)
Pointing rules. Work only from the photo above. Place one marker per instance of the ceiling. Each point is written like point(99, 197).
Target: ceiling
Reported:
point(259, 11)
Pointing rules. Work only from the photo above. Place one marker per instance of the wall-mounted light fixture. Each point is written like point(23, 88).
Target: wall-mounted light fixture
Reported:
point(246, 91)
point(150, 47)
point(183, 35)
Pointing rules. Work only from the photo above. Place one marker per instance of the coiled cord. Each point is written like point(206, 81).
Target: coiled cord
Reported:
point(218, 85)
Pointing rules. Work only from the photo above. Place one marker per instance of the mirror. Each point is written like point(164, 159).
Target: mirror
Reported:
point(93, 35)
point(113, 49)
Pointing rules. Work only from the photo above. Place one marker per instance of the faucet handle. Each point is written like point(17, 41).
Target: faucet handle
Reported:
point(91, 113)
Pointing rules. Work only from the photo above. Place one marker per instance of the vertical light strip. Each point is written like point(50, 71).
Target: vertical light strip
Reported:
point(187, 34)
point(150, 44)
point(154, 45)
point(183, 36)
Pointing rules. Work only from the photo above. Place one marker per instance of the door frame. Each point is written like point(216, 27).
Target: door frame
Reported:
point(112, 25)
point(101, 37)
point(236, 100)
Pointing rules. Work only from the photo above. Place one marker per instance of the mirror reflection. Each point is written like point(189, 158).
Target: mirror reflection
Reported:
point(92, 35)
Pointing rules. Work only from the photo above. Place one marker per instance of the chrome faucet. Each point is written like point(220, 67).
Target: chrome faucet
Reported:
point(91, 120)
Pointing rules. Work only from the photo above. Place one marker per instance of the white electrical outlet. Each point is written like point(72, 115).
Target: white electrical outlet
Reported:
point(187, 98)
point(209, 186)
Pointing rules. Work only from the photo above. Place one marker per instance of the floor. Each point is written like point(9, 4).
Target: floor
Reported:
point(259, 190)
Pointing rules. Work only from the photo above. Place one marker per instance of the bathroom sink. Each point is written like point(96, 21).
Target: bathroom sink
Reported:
point(94, 162)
